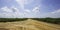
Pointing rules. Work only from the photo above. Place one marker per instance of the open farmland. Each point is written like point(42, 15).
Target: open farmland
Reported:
point(28, 24)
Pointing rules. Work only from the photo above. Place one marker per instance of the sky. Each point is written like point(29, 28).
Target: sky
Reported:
point(29, 8)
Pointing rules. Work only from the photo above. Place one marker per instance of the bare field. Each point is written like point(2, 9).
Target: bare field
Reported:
point(28, 25)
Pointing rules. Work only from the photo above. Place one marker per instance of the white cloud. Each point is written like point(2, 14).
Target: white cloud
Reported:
point(32, 13)
point(17, 13)
point(36, 9)
point(23, 2)
point(27, 11)
point(6, 9)
point(57, 11)
point(13, 12)
point(54, 14)
point(15, 9)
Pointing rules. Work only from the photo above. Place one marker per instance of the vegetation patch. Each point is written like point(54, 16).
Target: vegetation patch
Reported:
point(49, 20)
point(12, 19)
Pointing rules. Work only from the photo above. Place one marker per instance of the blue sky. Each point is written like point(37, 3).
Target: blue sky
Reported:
point(29, 8)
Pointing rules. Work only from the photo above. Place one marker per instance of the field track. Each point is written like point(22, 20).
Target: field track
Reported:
point(28, 25)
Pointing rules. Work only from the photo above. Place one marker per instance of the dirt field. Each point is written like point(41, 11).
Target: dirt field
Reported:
point(28, 25)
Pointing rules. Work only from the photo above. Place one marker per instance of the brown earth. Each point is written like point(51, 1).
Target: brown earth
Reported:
point(28, 25)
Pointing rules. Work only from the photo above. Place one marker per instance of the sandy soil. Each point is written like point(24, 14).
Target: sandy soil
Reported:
point(28, 25)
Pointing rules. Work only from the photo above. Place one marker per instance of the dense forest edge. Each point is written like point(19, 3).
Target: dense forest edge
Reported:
point(49, 20)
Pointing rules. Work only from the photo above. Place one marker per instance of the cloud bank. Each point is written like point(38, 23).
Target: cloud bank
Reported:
point(23, 12)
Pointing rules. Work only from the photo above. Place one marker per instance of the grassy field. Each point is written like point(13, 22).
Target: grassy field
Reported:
point(28, 24)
